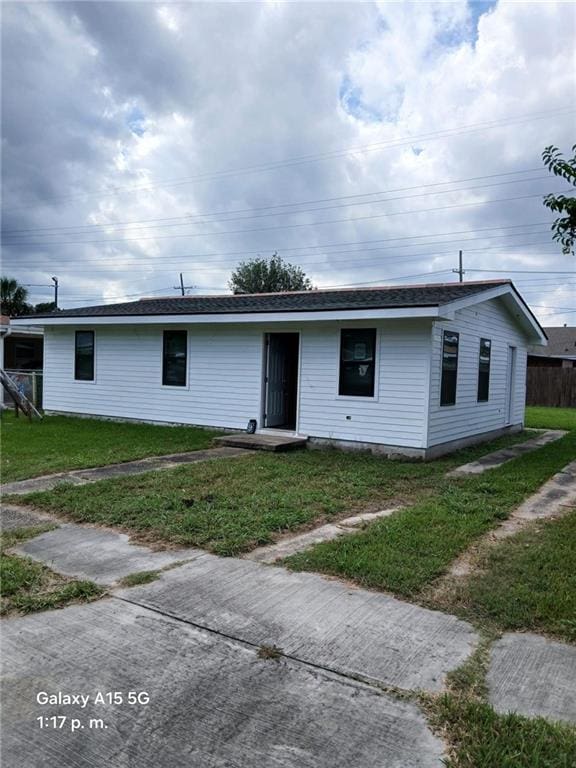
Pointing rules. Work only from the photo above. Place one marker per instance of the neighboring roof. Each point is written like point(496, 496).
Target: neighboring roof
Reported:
point(561, 343)
point(432, 295)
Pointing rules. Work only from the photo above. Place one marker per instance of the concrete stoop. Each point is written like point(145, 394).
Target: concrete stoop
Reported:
point(261, 442)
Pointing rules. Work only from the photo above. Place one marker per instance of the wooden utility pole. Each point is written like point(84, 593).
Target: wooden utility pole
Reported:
point(460, 271)
point(55, 281)
point(183, 288)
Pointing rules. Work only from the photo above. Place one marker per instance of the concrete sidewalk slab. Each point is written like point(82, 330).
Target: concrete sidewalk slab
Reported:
point(497, 458)
point(213, 703)
point(13, 517)
point(292, 544)
point(318, 620)
point(533, 676)
point(98, 554)
point(83, 476)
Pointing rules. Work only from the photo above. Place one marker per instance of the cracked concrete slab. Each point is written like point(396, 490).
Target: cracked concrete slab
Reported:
point(13, 517)
point(319, 620)
point(83, 476)
point(213, 703)
point(533, 676)
point(98, 554)
point(292, 544)
point(497, 458)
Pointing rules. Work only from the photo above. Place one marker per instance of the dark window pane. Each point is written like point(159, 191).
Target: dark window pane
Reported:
point(84, 356)
point(484, 370)
point(357, 362)
point(449, 368)
point(174, 358)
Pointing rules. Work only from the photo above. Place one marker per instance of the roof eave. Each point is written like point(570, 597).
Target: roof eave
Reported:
point(516, 305)
point(258, 318)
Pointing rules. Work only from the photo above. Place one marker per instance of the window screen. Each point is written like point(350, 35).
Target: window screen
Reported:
point(174, 358)
point(449, 368)
point(357, 362)
point(84, 356)
point(484, 370)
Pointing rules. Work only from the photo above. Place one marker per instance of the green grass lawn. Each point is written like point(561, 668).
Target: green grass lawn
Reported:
point(481, 738)
point(405, 552)
point(59, 443)
point(28, 586)
point(527, 582)
point(231, 506)
point(550, 418)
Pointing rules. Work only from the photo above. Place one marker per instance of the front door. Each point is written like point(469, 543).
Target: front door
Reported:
point(281, 380)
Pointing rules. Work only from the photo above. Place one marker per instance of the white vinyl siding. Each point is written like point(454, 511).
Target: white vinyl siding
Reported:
point(489, 320)
point(223, 386)
point(225, 380)
point(397, 413)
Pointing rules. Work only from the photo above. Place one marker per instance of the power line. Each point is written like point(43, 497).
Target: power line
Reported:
point(211, 256)
point(280, 213)
point(185, 220)
point(330, 262)
point(286, 226)
point(523, 271)
point(334, 154)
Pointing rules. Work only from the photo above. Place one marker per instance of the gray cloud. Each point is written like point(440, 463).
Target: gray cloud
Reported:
point(102, 97)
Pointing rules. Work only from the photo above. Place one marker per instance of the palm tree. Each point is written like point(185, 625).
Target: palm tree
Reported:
point(13, 297)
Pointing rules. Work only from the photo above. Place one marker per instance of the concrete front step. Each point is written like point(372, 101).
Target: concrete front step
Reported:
point(260, 442)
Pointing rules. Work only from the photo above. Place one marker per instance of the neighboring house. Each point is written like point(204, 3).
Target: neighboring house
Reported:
point(560, 352)
point(416, 370)
point(22, 356)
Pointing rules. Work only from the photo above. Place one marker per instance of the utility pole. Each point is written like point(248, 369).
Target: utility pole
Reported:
point(460, 271)
point(55, 281)
point(183, 288)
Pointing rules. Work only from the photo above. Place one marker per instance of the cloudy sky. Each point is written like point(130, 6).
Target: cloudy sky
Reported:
point(366, 142)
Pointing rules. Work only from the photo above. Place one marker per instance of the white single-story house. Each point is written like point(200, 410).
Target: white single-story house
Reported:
point(416, 370)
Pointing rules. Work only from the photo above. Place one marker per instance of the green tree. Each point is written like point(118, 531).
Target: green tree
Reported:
point(13, 297)
point(564, 228)
point(44, 307)
point(271, 275)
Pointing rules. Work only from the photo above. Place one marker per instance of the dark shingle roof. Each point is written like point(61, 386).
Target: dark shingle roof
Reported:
point(303, 301)
point(561, 343)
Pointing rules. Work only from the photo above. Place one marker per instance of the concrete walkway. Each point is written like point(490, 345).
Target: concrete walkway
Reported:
point(318, 620)
point(497, 458)
point(533, 676)
point(292, 544)
point(312, 618)
point(212, 702)
point(98, 554)
point(83, 476)
point(555, 498)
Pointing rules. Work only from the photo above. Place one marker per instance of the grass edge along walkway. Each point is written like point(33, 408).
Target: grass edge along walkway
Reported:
point(405, 552)
point(29, 586)
point(64, 443)
point(233, 507)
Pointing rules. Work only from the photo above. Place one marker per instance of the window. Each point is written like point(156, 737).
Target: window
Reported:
point(84, 356)
point(357, 362)
point(174, 358)
point(449, 368)
point(484, 370)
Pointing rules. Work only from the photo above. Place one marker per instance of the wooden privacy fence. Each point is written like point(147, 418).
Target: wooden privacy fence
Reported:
point(551, 386)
